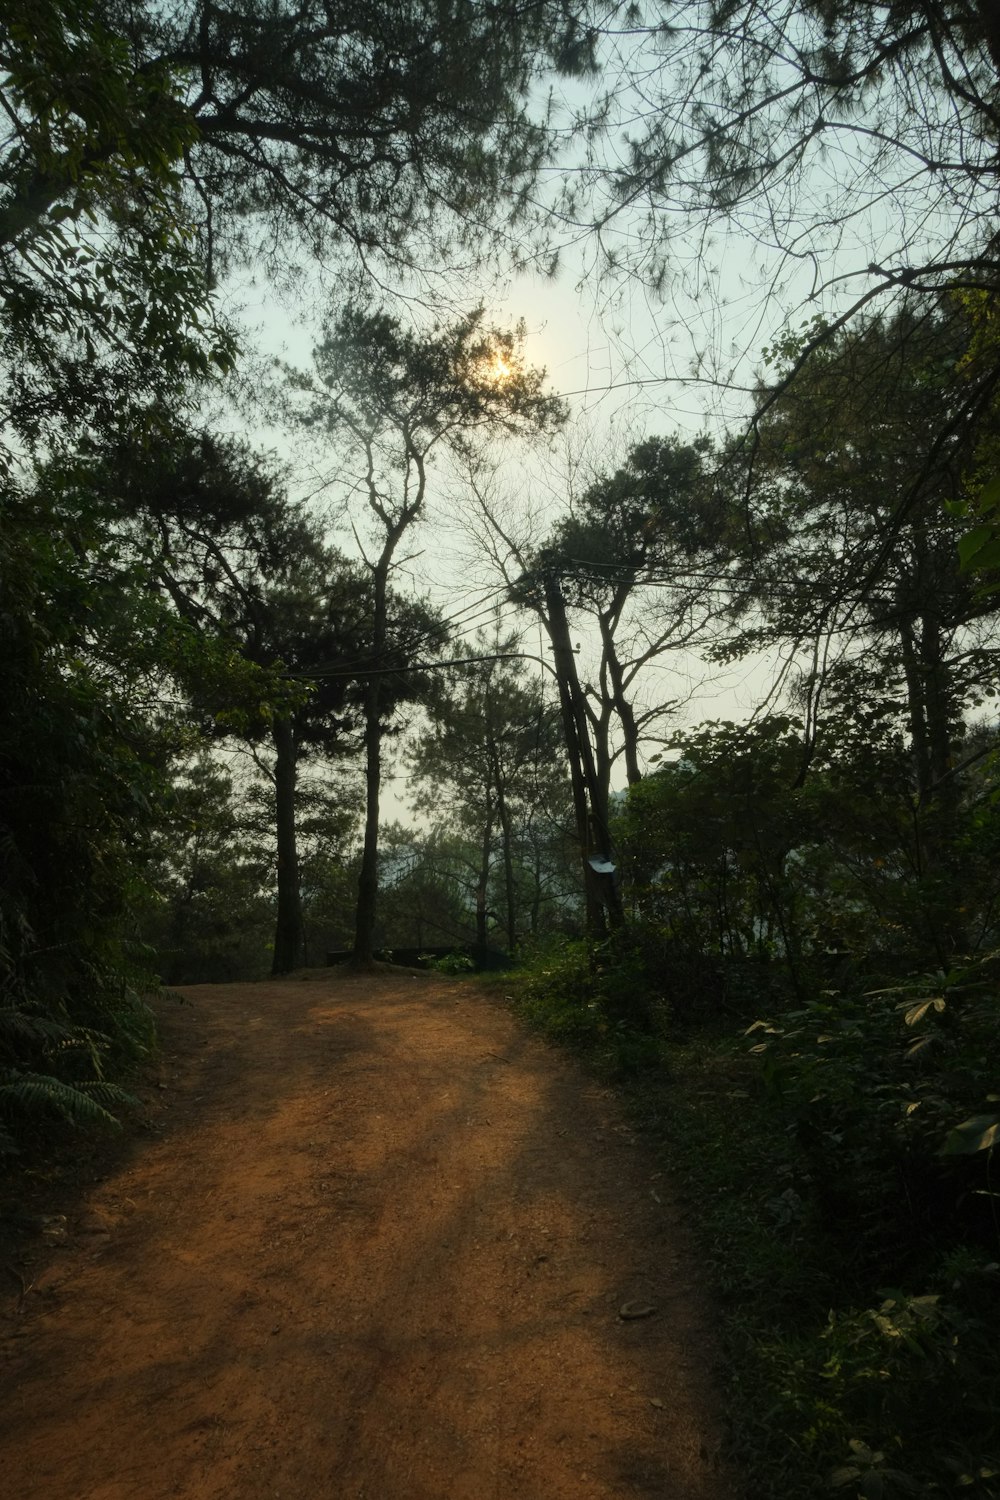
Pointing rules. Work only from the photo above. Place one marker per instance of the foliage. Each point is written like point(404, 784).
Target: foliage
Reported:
point(858, 1323)
point(376, 378)
point(840, 568)
point(396, 133)
point(79, 783)
point(979, 547)
point(839, 1158)
point(818, 129)
point(213, 868)
point(873, 1374)
point(212, 918)
point(731, 854)
point(717, 844)
point(426, 889)
point(594, 998)
point(872, 1087)
point(104, 302)
point(27, 1099)
point(453, 963)
point(487, 768)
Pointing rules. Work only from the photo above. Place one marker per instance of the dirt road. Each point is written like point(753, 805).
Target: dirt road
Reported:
point(379, 1244)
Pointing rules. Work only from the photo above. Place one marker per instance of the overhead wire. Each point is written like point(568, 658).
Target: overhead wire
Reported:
point(473, 611)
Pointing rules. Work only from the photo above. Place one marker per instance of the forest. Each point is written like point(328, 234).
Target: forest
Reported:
point(776, 927)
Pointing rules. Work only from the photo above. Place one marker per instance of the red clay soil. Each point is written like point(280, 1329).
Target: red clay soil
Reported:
point(378, 1244)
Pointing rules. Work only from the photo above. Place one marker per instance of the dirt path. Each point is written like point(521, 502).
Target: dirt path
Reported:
point(376, 1248)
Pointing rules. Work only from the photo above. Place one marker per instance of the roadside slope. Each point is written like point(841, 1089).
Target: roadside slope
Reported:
point(377, 1248)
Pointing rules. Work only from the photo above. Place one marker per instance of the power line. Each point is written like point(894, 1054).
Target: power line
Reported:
point(423, 666)
point(474, 610)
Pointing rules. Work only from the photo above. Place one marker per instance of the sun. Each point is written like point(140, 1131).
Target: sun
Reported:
point(500, 370)
point(494, 363)
point(493, 369)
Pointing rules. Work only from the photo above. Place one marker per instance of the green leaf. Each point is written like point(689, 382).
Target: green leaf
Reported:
point(989, 495)
point(979, 548)
point(844, 1475)
point(979, 1133)
point(917, 1012)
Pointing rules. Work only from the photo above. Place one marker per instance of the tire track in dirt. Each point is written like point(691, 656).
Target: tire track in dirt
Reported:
point(375, 1250)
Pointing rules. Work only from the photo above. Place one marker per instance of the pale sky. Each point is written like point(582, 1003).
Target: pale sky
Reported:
point(625, 368)
point(630, 365)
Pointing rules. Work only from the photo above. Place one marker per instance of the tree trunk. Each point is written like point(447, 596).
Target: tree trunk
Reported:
point(288, 926)
point(482, 883)
point(562, 652)
point(503, 813)
point(916, 713)
point(395, 527)
point(598, 837)
point(623, 708)
point(367, 908)
point(936, 811)
point(536, 894)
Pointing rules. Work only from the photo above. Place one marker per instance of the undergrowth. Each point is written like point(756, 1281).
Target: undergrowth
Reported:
point(836, 1155)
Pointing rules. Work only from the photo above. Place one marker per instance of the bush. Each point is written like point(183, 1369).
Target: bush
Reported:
point(452, 963)
point(889, 1097)
point(596, 998)
point(837, 1160)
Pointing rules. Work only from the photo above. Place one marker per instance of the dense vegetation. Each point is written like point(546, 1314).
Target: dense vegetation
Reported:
point(784, 930)
point(801, 986)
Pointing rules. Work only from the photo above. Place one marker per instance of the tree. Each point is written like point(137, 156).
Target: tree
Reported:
point(104, 315)
point(307, 627)
point(246, 567)
point(816, 129)
point(104, 302)
point(858, 474)
point(150, 147)
point(719, 844)
point(319, 636)
point(485, 766)
point(212, 916)
point(146, 147)
point(643, 555)
point(427, 889)
point(389, 129)
point(396, 398)
point(639, 559)
point(878, 561)
point(262, 595)
point(82, 757)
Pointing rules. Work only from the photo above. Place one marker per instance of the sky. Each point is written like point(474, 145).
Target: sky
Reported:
point(622, 370)
point(630, 364)
point(624, 365)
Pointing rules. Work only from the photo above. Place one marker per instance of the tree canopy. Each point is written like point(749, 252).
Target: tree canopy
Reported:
point(392, 130)
point(813, 127)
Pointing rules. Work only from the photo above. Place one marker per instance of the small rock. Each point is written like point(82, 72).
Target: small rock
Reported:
point(630, 1312)
point(94, 1222)
point(54, 1229)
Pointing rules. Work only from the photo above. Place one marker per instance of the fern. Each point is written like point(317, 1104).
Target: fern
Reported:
point(40, 1094)
point(19, 1025)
